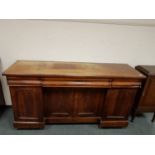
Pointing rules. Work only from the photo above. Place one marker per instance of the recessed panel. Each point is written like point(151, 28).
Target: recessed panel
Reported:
point(73, 102)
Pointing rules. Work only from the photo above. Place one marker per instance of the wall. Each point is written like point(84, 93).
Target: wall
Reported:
point(74, 41)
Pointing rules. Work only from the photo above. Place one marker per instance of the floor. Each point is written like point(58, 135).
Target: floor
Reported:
point(141, 126)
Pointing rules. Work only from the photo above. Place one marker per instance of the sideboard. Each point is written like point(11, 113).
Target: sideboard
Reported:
point(45, 92)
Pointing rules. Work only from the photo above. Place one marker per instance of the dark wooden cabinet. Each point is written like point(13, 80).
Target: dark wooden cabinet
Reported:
point(2, 101)
point(146, 102)
point(67, 92)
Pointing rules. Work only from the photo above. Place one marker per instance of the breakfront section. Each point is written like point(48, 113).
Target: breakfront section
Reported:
point(117, 107)
point(119, 101)
point(73, 105)
point(73, 100)
point(37, 101)
point(27, 103)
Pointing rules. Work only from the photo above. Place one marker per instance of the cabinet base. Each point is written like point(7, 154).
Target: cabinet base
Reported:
point(55, 120)
point(29, 125)
point(113, 123)
point(103, 123)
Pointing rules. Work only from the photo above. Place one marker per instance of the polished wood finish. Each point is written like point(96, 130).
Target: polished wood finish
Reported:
point(27, 105)
point(67, 92)
point(117, 107)
point(2, 101)
point(71, 69)
point(77, 103)
point(146, 102)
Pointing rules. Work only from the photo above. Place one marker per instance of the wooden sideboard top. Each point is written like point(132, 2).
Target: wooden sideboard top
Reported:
point(71, 69)
point(146, 69)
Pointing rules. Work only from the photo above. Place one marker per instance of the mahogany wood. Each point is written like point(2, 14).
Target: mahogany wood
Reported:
point(146, 97)
point(66, 92)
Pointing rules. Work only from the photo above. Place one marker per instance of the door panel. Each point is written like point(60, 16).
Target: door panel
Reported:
point(119, 102)
point(89, 102)
point(27, 103)
point(73, 102)
point(58, 102)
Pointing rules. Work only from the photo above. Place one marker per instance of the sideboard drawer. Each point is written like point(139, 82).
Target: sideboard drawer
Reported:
point(86, 83)
point(125, 83)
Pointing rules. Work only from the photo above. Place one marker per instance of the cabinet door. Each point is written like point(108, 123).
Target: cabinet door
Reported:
point(27, 103)
point(73, 102)
point(59, 102)
point(119, 102)
point(89, 102)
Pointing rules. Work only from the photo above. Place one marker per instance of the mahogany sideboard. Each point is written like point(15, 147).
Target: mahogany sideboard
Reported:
point(146, 102)
point(68, 92)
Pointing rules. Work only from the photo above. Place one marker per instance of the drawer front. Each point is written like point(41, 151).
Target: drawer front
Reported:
point(83, 83)
point(125, 83)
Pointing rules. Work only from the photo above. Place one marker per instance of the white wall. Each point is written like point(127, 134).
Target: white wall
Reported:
point(74, 41)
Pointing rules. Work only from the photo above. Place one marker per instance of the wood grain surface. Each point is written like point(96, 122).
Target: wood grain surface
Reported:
point(71, 69)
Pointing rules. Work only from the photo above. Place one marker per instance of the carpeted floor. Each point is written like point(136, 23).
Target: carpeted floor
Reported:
point(141, 126)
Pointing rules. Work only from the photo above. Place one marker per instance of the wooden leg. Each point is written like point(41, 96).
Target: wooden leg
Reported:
point(132, 118)
point(133, 114)
point(153, 117)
